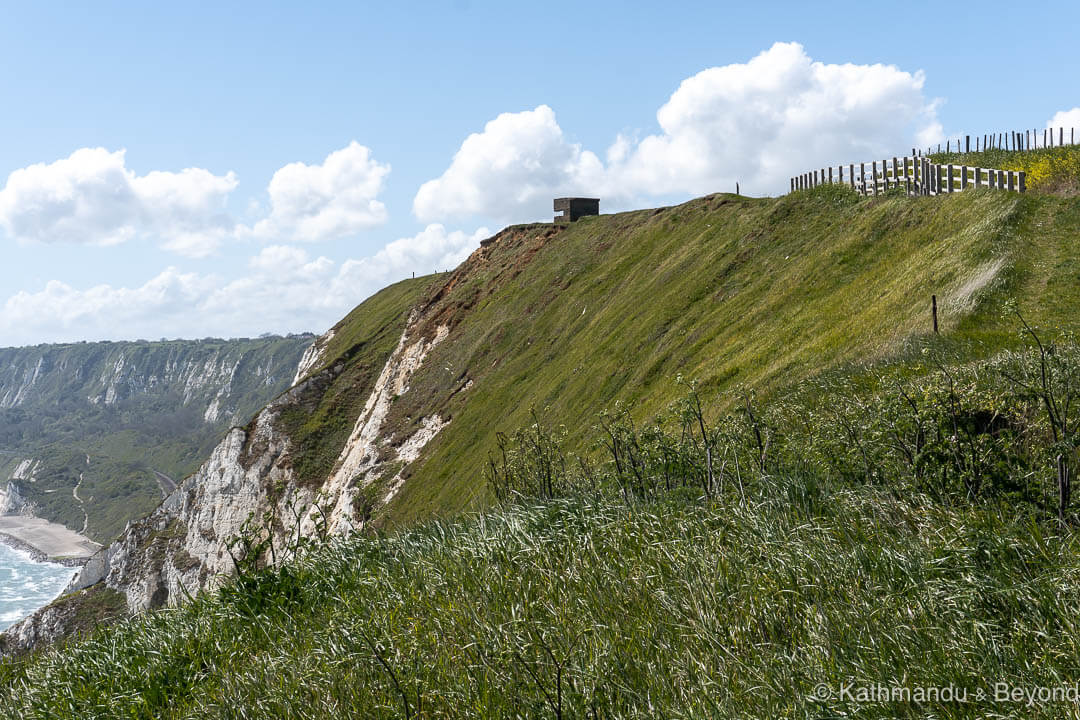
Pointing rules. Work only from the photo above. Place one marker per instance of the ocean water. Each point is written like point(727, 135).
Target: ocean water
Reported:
point(26, 585)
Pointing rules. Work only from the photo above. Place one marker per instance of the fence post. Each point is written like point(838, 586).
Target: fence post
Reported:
point(990, 178)
point(1022, 179)
point(830, 174)
point(948, 182)
point(1010, 180)
point(1061, 136)
point(1001, 179)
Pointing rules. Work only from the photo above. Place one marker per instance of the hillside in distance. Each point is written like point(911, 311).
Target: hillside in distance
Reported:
point(124, 421)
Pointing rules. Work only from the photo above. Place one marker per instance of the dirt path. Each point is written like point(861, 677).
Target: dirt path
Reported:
point(75, 494)
point(165, 483)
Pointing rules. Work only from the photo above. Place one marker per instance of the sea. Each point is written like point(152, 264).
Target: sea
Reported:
point(26, 584)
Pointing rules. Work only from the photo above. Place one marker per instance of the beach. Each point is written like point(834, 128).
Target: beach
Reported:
point(45, 540)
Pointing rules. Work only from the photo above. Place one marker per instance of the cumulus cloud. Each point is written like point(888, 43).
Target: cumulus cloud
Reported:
point(91, 197)
point(284, 289)
point(510, 170)
point(756, 123)
point(1065, 119)
point(320, 202)
point(779, 114)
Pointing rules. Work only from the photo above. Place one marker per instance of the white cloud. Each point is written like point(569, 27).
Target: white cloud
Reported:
point(756, 123)
point(91, 197)
point(320, 202)
point(777, 115)
point(1065, 119)
point(510, 171)
point(283, 290)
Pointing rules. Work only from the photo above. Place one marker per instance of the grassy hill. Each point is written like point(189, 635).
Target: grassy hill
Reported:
point(737, 293)
point(833, 494)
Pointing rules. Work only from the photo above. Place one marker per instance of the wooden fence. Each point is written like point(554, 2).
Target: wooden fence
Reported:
point(1013, 140)
point(915, 174)
point(918, 176)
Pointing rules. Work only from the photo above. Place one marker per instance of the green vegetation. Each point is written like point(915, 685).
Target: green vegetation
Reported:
point(673, 608)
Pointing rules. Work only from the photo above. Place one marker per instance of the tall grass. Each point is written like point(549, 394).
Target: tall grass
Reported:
point(576, 608)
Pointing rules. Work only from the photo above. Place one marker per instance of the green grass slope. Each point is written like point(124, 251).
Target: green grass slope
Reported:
point(590, 609)
point(737, 293)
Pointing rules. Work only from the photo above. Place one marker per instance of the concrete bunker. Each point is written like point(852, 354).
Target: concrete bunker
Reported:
point(572, 208)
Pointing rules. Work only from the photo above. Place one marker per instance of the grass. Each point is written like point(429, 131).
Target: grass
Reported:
point(578, 608)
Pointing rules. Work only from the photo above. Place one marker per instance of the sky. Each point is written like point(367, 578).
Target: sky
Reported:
point(232, 169)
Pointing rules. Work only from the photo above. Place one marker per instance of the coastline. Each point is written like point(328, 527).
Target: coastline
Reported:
point(44, 541)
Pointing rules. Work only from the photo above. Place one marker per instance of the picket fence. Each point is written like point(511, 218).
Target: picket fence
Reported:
point(916, 175)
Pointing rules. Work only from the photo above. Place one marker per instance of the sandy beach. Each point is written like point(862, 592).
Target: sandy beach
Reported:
point(46, 540)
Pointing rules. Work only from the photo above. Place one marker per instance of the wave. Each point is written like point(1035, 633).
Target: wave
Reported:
point(27, 584)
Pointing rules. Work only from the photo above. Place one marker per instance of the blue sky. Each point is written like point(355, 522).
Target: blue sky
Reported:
point(104, 107)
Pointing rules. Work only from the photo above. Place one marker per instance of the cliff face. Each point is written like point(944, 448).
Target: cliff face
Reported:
point(214, 375)
point(321, 458)
point(183, 546)
point(101, 431)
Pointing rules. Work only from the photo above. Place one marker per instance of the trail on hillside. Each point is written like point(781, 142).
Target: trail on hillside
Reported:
point(165, 483)
point(75, 494)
